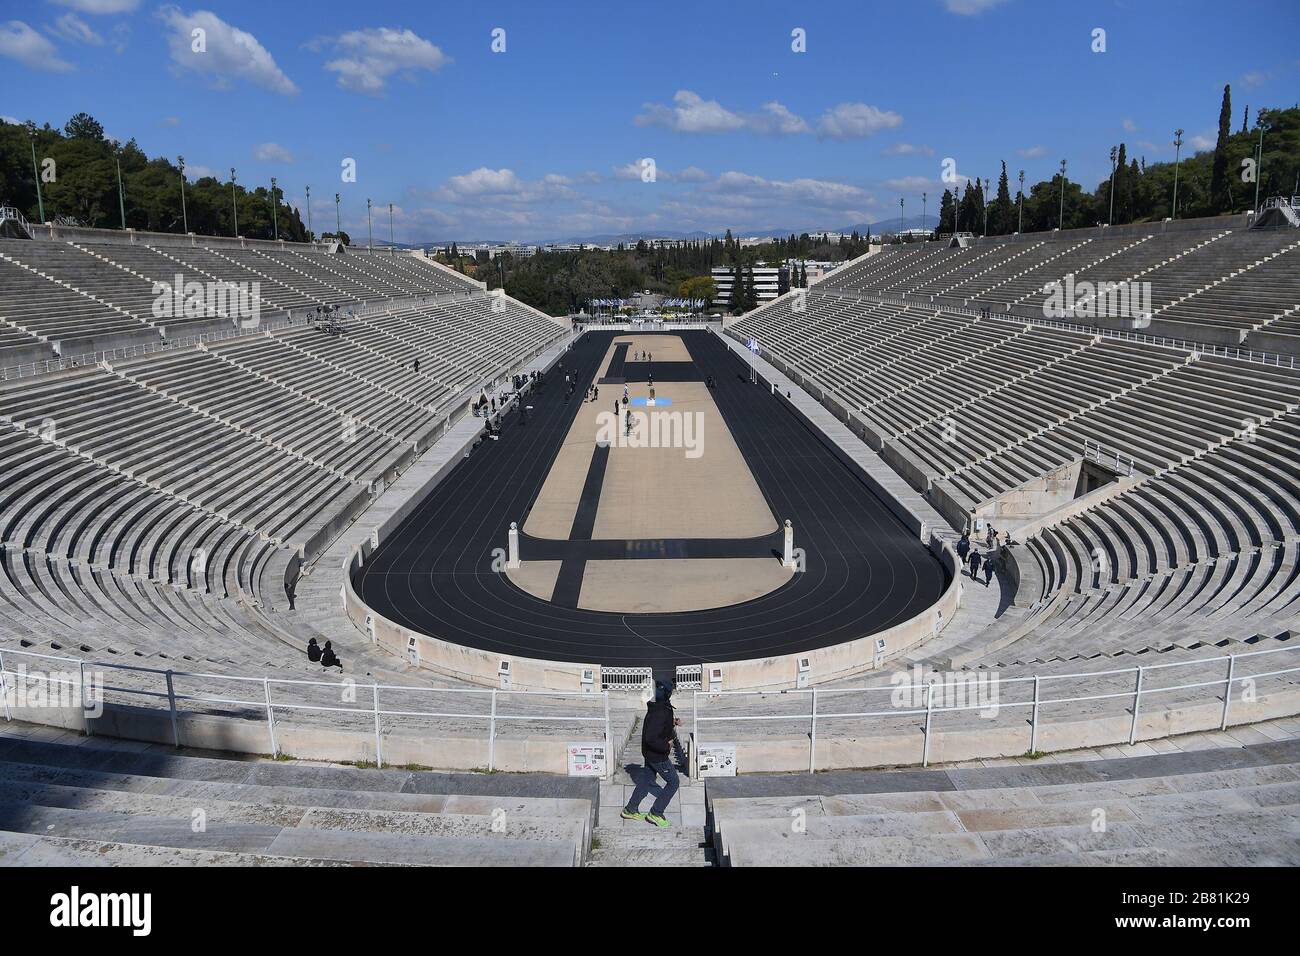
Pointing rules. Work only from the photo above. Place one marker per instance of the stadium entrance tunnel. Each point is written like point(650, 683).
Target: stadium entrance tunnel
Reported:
point(650, 484)
point(1046, 499)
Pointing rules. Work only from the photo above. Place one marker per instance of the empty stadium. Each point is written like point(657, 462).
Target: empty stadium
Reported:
point(516, 523)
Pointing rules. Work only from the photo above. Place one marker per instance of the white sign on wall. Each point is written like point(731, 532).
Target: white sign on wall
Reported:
point(586, 760)
point(717, 760)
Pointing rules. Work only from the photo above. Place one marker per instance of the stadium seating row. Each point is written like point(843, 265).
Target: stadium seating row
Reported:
point(74, 298)
point(1217, 286)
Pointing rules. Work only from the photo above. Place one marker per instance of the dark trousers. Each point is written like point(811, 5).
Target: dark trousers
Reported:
point(663, 769)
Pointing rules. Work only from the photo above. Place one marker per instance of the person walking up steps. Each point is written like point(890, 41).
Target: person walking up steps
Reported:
point(657, 735)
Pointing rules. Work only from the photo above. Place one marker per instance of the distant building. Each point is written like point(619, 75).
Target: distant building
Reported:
point(767, 283)
point(814, 268)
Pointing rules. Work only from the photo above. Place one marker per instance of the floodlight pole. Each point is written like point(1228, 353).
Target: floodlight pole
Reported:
point(922, 210)
point(121, 200)
point(185, 219)
point(370, 242)
point(234, 205)
point(391, 244)
point(986, 208)
point(1178, 145)
point(36, 172)
point(1114, 153)
point(275, 217)
point(1020, 222)
point(338, 223)
point(1259, 163)
point(900, 218)
point(1060, 223)
point(311, 236)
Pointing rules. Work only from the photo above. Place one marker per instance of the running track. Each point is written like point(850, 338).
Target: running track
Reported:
point(865, 570)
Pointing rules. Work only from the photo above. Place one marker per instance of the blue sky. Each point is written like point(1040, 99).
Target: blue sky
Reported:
point(547, 139)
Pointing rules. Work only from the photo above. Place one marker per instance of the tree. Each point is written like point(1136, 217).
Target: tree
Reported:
point(1002, 211)
point(84, 126)
point(1219, 198)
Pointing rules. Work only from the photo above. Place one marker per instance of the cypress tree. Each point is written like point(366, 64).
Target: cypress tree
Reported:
point(1219, 174)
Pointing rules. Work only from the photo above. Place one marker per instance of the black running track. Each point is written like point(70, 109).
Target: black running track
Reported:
point(864, 570)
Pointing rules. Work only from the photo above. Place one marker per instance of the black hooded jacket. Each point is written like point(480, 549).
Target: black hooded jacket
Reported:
point(657, 731)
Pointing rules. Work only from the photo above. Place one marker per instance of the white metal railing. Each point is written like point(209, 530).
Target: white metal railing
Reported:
point(266, 704)
point(135, 351)
point(1274, 202)
point(815, 714)
point(15, 215)
point(1185, 345)
point(625, 678)
point(1118, 460)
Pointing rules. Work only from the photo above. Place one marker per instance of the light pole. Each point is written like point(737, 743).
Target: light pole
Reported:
point(1259, 162)
point(121, 200)
point(1114, 154)
point(338, 223)
point(370, 242)
point(185, 219)
point(311, 236)
point(1020, 202)
point(1178, 145)
point(1060, 223)
point(922, 210)
point(900, 218)
point(234, 205)
point(391, 244)
point(986, 208)
point(275, 218)
point(36, 172)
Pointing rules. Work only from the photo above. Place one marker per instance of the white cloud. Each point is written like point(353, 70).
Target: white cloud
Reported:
point(371, 56)
point(100, 6)
point(632, 172)
point(503, 184)
point(231, 53)
point(969, 8)
point(197, 171)
point(170, 121)
point(1032, 152)
point(691, 113)
point(1202, 142)
point(1129, 125)
point(775, 118)
point(909, 183)
point(72, 27)
point(814, 192)
point(11, 119)
point(272, 153)
point(1255, 78)
point(856, 120)
point(909, 149)
point(20, 42)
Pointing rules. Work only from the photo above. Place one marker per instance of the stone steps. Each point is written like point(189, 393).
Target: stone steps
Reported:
point(143, 808)
point(1170, 809)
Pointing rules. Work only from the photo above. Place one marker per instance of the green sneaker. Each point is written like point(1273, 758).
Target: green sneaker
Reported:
point(657, 820)
point(631, 814)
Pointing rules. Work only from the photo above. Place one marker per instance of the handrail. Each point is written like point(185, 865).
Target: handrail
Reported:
point(269, 705)
point(993, 687)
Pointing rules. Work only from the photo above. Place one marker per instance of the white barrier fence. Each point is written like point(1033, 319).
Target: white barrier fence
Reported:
point(379, 705)
point(991, 694)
